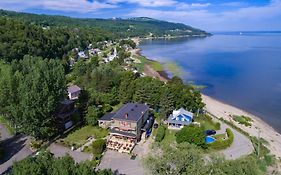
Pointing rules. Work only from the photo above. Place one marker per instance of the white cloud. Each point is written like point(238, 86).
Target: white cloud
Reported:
point(146, 3)
point(244, 18)
point(81, 6)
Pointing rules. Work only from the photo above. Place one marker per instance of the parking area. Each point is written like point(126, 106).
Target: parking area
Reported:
point(121, 163)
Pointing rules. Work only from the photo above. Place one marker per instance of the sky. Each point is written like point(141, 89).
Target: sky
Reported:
point(210, 15)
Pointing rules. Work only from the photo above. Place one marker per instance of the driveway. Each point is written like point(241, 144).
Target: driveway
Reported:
point(121, 163)
point(16, 148)
point(241, 146)
point(60, 151)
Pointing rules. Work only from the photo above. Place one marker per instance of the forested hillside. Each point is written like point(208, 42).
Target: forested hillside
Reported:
point(121, 27)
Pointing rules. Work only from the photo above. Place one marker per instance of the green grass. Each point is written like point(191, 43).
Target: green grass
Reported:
point(206, 123)
point(80, 136)
point(220, 137)
point(7, 125)
point(170, 137)
point(243, 120)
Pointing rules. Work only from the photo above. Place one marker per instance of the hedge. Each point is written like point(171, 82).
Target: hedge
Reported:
point(223, 144)
point(98, 146)
point(160, 134)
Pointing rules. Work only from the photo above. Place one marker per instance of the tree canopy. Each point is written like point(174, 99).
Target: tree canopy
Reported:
point(30, 90)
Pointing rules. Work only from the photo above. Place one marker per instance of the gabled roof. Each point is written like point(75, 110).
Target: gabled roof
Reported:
point(73, 88)
point(181, 116)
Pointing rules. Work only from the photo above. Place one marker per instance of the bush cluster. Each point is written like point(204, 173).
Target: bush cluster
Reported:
point(160, 133)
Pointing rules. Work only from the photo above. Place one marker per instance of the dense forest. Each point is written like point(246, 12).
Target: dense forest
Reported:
point(121, 27)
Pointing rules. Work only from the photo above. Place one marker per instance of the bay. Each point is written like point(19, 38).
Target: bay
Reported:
point(242, 69)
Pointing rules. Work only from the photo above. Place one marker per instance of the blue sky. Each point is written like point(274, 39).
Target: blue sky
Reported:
point(210, 15)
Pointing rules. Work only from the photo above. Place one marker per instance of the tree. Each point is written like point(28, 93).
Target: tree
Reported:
point(46, 164)
point(166, 102)
point(160, 133)
point(182, 159)
point(92, 116)
point(192, 134)
point(32, 94)
point(98, 146)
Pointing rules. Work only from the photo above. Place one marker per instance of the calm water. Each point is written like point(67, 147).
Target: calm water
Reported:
point(242, 70)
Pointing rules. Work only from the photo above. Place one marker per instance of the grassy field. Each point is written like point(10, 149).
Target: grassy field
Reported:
point(80, 136)
point(140, 66)
point(206, 122)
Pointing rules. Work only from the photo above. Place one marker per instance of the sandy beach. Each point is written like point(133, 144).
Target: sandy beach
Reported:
point(222, 110)
point(259, 128)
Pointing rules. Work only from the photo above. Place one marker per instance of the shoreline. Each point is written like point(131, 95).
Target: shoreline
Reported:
point(223, 110)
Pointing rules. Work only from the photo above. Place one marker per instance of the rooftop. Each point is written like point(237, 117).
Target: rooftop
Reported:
point(73, 88)
point(131, 111)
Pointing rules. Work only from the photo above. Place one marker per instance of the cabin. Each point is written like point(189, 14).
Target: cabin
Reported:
point(126, 126)
point(179, 118)
point(73, 92)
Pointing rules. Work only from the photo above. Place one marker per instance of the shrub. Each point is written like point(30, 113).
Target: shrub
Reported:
point(160, 133)
point(98, 146)
point(192, 134)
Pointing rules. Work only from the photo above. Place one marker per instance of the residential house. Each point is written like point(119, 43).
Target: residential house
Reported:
point(179, 118)
point(82, 54)
point(64, 113)
point(73, 92)
point(126, 126)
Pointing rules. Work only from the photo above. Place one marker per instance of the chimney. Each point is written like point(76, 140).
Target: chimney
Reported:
point(126, 115)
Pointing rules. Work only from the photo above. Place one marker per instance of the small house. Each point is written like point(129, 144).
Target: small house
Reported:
point(73, 92)
point(179, 118)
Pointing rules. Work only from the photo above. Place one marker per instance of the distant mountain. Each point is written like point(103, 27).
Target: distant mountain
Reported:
point(132, 27)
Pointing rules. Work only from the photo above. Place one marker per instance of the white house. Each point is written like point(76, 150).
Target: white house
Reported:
point(179, 118)
point(73, 92)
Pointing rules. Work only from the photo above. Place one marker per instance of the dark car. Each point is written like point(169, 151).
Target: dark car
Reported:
point(155, 125)
point(210, 132)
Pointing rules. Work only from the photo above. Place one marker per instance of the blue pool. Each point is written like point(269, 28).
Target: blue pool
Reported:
point(209, 139)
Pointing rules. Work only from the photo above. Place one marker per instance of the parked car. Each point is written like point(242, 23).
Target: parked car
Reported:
point(210, 132)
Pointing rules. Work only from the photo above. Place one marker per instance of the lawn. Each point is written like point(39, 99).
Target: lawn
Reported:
point(220, 136)
point(170, 137)
point(206, 122)
point(80, 136)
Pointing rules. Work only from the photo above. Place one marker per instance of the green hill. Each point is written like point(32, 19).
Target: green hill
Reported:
point(141, 26)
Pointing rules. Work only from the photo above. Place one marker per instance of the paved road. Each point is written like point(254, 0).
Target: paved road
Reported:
point(60, 151)
point(241, 145)
point(16, 148)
